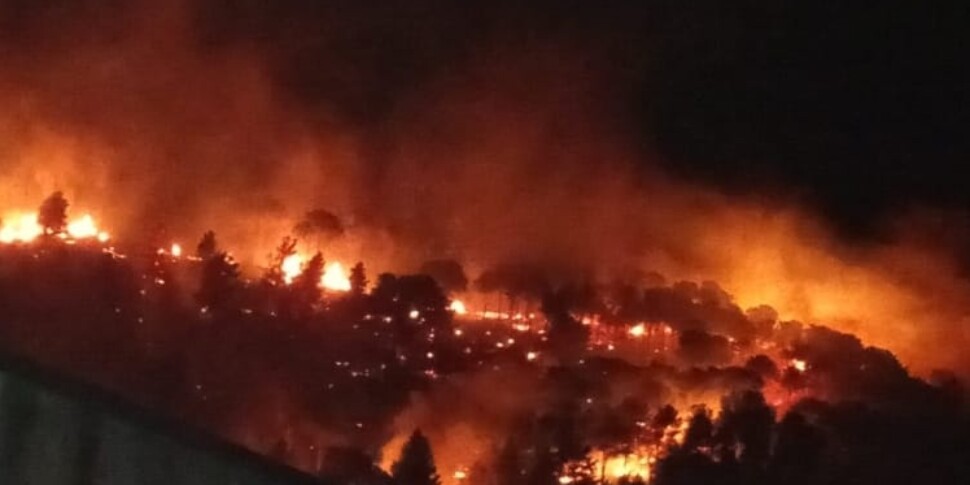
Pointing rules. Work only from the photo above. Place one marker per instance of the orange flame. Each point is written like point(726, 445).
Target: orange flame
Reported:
point(335, 278)
point(23, 227)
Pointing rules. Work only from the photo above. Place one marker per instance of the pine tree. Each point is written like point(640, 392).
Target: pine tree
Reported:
point(416, 464)
point(358, 279)
point(220, 282)
point(287, 248)
point(207, 247)
point(306, 286)
point(52, 215)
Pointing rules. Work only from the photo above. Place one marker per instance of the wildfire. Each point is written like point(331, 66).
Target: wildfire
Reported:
point(632, 465)
point(458, 307)
point(610, 467)
point(84, 228)
point(335, 278)
point(20, 228)
point(24, 228)
point(291, 267)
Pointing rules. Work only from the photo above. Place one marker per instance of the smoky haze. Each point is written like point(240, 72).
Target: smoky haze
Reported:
point(484, 133)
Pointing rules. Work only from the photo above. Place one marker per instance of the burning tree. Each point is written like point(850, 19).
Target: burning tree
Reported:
point(416, 464)
point(275, 274)
point(52, 215)
point(306, 286)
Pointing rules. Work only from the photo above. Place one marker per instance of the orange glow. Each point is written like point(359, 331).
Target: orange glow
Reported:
point(291, 267)
point(20, 228)
point(611, 467)
point(176, 250)
point(799, 365)
point(637, 330)
point(23, 227)
point(632, 465)
point(458, 307)
point(84, 228)
point(335, 278)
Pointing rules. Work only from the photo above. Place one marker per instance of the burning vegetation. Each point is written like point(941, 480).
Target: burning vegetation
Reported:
point(461, 242)
point(516, 376)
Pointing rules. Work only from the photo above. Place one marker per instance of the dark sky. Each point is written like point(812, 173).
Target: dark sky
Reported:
point(859, 108)
point(863, 108)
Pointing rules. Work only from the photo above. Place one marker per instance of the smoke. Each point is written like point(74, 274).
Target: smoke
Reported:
point(466, 419)
point(433, 134)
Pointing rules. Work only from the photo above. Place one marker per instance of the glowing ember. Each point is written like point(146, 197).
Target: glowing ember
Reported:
point(335, 278)
point(458, 307)
point(799, 365)
point(637, 330)
point(531, 356)
point(176, 250)
point(460, 475)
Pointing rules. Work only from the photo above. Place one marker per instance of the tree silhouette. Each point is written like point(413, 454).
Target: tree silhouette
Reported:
point(220, 282)
point(797, 451)
point(746, 426)
point(306, 286)
point(207, 247)
point(400, 294)
point(567, 336)
point(793, 380)
point(763, 365)
point(416, 464)
point(700, 430)
point(219, 285)
point(287, 248)
point(358, 279)
point(351, 466)
point(663, 419)
point(52, 215)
